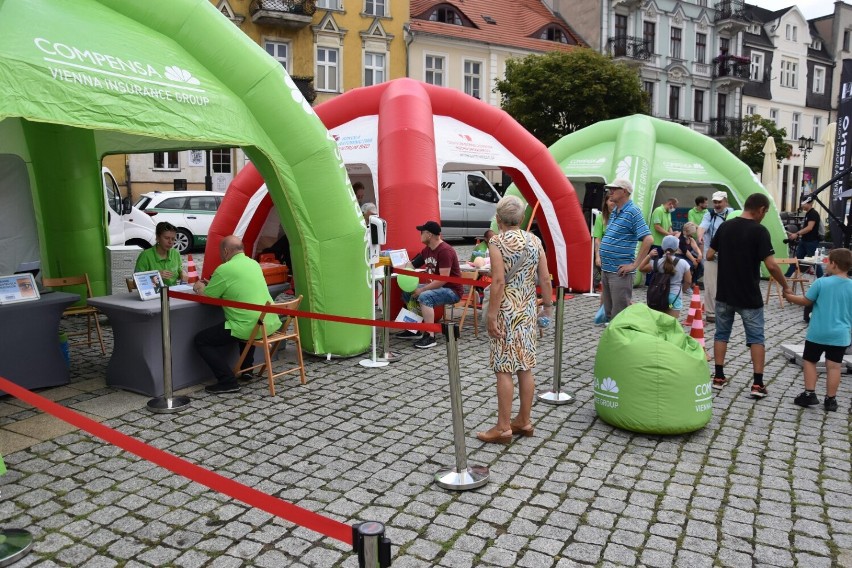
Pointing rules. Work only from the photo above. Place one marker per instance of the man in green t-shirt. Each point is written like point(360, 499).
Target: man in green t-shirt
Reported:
point(696, 214)
point(661, 221)
point(239, 279)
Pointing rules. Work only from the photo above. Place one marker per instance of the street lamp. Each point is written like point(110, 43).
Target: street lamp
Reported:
point(805, 146)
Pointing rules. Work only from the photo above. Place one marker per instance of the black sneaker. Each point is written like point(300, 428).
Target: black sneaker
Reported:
point(830, 404)
point(246, 377)
point(222, 388)
point(426, 342)
point(410, 334)
point(806, 399)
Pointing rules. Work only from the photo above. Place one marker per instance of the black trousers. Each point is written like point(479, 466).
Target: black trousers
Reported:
point(214, 344)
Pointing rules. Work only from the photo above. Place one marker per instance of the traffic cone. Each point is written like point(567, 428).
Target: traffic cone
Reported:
point(191, 271)
point(696, 332)
point(694, 306)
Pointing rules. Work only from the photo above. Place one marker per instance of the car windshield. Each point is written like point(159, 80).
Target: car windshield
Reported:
point(143, 202)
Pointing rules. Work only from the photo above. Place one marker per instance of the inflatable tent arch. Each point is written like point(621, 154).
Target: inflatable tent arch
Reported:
point(83, 79)
point(406, 132)
point(651, 153)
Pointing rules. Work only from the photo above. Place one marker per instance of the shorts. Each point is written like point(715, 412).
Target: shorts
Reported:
point(675, 301)
point(813, 351)
point(752, 322)
point(437, 297)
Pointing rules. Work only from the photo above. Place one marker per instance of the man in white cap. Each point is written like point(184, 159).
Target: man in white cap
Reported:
point(618, 247)
point(713, 219)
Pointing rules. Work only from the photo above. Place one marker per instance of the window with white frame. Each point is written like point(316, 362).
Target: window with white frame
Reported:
point(750, 110)
point(756, 69)
point(374, 7)
point(754, 29)
point(329, 4)
point(166, 161)
point(819, 80)
point(328, 69)
point(817, 132)
point(790, 73)
point(473, 78)
point(648, 87)
point(374, 68)
point(433, 70)
point(220, 160)
point(700, 48)
point(674, 102)
point(280, 51)
point(791, 32)
point(676, 41)
point(698, 109)
point(773, 115)
point(817, 44)
point(846, 34)
point(794, 126)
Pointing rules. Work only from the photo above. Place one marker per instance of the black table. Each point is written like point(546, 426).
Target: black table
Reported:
point(30, 355)
point(136, 363)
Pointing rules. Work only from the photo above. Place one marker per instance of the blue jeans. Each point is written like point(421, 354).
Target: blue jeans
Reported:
point(803, 249)
point(752, 322)
point(431, 298)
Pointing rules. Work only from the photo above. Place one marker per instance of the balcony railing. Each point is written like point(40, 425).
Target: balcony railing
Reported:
point(729, 10)
point(627, 46)
point(287, 13)
point(731, 66)
point(726, 126)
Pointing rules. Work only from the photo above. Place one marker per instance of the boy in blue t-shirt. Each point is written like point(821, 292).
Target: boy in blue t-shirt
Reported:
point(830, 327)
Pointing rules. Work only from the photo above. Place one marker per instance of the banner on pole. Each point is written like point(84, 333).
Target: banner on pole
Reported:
point(838, 204)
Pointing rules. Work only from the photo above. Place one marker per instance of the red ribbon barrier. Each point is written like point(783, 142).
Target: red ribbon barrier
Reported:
point(253, 497)
point(442, 278)
point(430, 327)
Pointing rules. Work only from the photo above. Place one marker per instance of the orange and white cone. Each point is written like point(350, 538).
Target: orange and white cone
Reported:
point(695, 306)
point(696, 332)
point(191, 271)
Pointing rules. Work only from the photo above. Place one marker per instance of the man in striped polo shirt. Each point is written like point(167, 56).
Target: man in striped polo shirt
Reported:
point(626, 227)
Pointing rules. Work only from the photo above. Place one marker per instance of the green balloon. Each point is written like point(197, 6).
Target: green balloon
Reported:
point(406, 283)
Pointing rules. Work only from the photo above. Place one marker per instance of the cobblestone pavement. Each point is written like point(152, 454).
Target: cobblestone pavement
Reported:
point(764, 484)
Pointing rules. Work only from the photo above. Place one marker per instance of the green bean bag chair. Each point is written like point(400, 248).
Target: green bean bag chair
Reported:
point(651, 377)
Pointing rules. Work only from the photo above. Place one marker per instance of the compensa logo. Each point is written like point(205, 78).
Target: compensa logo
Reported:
point(606, 392)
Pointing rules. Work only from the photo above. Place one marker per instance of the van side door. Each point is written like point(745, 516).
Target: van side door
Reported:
point(112, 196)
point(481, 206)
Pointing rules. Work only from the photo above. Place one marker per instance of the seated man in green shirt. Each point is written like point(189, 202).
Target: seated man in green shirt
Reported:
point(240, 279)
point(163, 256)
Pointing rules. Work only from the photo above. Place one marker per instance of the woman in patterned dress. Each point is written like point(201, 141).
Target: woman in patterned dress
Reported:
point(517, 257)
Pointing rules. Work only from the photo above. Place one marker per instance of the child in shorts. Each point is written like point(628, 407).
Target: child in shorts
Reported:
point(830, 327)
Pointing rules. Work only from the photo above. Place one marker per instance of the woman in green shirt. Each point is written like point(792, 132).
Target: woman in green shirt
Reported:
point(163, 256)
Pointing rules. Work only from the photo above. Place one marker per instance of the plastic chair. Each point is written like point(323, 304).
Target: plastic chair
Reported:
point(468, 301)
point(796, 278)
point(90, 312)
point(271, 343)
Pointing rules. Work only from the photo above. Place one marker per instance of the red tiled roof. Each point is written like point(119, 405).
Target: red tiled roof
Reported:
point(515, 21)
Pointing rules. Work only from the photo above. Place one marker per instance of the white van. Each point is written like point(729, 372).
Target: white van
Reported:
point(127, 224)
point(468, 204)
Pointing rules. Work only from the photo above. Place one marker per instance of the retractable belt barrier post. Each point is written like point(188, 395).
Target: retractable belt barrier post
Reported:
point(368, 540)
point(462, 477)
point(388, 355)
point(374, 361)
point(555, 396)
point(167, 403)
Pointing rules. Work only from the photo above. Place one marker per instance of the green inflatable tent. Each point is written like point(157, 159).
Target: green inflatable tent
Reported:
point(654, 153)
point(84, 78)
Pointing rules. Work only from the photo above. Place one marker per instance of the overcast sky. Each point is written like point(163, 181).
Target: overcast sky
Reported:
point(810, 8)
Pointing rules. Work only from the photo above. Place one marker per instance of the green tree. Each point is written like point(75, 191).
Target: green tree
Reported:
point(555, 94)
point(748, 146)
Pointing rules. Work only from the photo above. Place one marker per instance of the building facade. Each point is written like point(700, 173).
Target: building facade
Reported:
point(790, 83)
point(465, 45)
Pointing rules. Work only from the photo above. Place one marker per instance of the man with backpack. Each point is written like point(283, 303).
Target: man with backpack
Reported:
point(713, 219)
point(618, 247)
point(739, 246)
